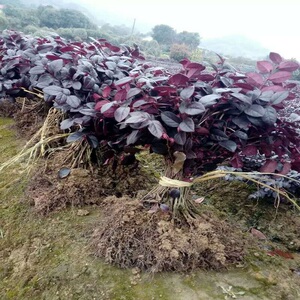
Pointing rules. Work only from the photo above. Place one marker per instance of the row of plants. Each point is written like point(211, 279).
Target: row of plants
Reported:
point(197, 118)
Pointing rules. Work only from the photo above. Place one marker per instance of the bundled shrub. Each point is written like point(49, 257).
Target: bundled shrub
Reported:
point(201, 118)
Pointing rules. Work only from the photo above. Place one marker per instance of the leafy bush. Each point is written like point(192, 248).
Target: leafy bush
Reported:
point(119, 102)
point(179, 52)
point(290, 183)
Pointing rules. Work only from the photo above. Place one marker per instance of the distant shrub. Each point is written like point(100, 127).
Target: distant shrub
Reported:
point(197, 55)
point(179, 52)
point(30, 29)
point(80, 34)
point(151, 48)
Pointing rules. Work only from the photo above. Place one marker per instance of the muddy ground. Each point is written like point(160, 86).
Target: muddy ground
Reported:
point(49, 256)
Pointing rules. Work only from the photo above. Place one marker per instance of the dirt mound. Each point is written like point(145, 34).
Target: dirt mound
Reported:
point(8, 108)
point(129, 236)
point(48, 192)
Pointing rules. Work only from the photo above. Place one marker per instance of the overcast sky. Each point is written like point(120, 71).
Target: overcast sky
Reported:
point(275, 24)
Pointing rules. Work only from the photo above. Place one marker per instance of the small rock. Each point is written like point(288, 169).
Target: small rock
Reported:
point(82, 212)
point(135, 271)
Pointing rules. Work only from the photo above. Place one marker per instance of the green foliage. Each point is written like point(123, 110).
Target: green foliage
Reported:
point(63, 18)
point(50, 17)
point(80, 34)
point(30, 29)
point(116, 30)
point(190, 39)
point(164, 34)
point(197, 55)
point(73, 19)
point(66, 33)
point(13, 11)
point(151, 48)
point(179, 52)
point(296, 75)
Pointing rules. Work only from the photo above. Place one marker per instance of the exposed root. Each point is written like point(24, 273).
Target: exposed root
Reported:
point(129, 237)
point(181, 206)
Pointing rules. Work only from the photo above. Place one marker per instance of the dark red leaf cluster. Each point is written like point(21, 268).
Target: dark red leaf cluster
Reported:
point(212, 115)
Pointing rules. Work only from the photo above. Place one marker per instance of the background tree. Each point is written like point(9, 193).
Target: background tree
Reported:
point(164, 34)
point(73, 19)
point(191, 39)
point(49, 17)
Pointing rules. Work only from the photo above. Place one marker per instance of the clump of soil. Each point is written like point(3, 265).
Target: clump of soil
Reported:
point(29, 114)
point(129, 236)
point(8, 108)
point(48, 192)
point(31, 117)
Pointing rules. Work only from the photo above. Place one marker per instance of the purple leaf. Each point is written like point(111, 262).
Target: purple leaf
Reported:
point(101, 103)
point(137, 117)
point(241, 134)
point(44, 81)
point(170, 119)
point(66, 124)
point(139, 103)
point(255, 110)
point(120, 96)
point(180, 138)
point(123, 81)
point(133, 92)
point(56, 65)
point(37, 70)
point(269, 166)
point(273, 88)
point(218, 135)
point(156, 128)
point(133, 137)
point(209, 100)
point(73, 101)
point(121, 113)
point(289, 66)
point(178, 80)
point(254, 79)
point(44, 48)
point(187, 125)
point(194, 108)
point(270, 115)
point(76, 136)
point(280, 77)
point(242, 97)
point(249, 150)
point(285, 168)
point(264, 66)
point(236, 161)
point(229, 145)
point(187, 92)
point(275, 58)
point(278, 97)
point(52, 90)
point(105, 107)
